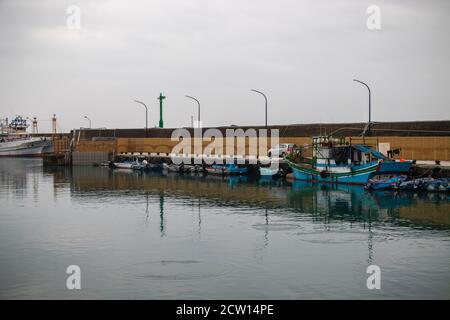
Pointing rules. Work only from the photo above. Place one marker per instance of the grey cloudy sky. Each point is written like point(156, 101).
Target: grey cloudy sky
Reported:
point(302, 54)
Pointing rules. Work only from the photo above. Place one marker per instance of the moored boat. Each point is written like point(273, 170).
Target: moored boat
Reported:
point(336, 162)
point(216, 169)
point(179, 168)
point(125, 164)
point(16, 142)
point(271, 172)
point(391, 183)
point(437, 185)
point(194, 168)
point(407, 185)
point(23, 146)
point(227, 169)
point(139, 166)
point(402, 183)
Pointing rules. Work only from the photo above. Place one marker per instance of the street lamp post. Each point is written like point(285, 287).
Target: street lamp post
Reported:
point(198, 103)
point(265, 98)
point(365, 84)
point(146, 113)
point(89, 121)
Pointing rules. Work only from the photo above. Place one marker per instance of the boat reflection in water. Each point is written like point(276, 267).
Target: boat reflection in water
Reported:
point(324, 202)
point(353, 203)
point(298, 201)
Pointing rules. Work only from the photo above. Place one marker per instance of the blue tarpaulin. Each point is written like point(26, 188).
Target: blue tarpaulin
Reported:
point(366, 149)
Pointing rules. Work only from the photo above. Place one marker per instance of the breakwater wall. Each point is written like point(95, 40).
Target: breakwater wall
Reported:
point(419, 140)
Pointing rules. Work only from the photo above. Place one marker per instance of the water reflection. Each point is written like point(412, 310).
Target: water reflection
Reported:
point(352, 203)
point(325, 203)
point(161, 213)
point(139, 234)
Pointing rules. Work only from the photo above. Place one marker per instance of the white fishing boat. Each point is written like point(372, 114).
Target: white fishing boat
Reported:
point(269, 172)
point(23, 146)
point(15, 142)
point(125, 164)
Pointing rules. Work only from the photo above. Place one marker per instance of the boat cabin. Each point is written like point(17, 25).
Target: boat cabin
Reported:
point(332, 154)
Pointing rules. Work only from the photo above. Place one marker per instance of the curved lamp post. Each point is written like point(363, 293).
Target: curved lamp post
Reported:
point(265, 98)
point(198, 103)
point(89, 121)
point(146, 113)
point(365, 84)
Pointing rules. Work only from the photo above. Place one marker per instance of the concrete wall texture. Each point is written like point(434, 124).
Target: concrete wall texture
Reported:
point(426, 140)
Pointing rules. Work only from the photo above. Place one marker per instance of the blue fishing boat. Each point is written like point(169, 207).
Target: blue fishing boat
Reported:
point(335, 161)
point(391, 183)
point(227, 169)
point(407, 185)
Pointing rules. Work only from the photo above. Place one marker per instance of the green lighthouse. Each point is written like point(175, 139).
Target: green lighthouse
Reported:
point(161, 98)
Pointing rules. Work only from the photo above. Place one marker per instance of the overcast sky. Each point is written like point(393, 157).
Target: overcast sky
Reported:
point(302, 53)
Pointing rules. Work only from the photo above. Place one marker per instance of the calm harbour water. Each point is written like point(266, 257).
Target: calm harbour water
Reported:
point(148, 236)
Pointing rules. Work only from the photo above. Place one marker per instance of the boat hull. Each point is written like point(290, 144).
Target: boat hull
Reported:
point(392, 183)
point(358, 175)
point(235, 170)
point(268, 171)
point(123, 165)
point(176, 168)
point(226, 170)
point(24, 148)
point(216, 171)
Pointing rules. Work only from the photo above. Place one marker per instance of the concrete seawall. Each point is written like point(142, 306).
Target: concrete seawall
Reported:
point(420, 141)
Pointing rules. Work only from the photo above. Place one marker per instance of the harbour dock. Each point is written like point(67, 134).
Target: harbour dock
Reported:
point(426, 142)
